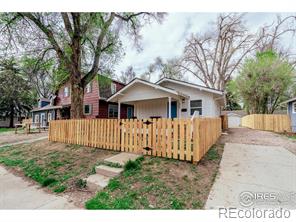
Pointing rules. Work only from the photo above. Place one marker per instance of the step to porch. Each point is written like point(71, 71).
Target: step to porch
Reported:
point(104, 173)
point(97, 182)
point(122, 158)
point(108, 171)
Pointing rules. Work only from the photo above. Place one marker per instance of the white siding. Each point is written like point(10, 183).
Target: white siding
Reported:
point(142, 92)
point(148, 108)
point(209, 106)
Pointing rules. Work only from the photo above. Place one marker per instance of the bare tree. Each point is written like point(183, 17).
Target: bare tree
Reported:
point(272, 35)
point(214, 56)
point(82, 42)
point(128, 75)
point(170, 68)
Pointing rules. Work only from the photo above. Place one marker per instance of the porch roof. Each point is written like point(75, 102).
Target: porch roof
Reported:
point(152, 86)
point(48, 107)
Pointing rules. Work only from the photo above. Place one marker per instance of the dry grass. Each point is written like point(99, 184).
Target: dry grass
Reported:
point(159, 183)
point(56, 166)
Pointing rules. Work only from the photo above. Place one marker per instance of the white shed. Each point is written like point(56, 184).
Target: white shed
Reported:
point(234, 120)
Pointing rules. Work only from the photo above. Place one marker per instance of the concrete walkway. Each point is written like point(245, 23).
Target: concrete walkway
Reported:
point(15, 193)
point(24, 141)
point(249, 172)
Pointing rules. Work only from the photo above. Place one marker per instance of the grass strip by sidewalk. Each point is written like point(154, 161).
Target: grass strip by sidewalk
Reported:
point(159, 183)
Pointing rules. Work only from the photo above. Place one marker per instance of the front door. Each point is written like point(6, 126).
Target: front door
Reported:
point(42, 119)
point(130, 112)
point(173, 109)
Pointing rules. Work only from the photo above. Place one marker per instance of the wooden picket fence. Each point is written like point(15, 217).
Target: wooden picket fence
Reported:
point(182, 139)
point(268, 122)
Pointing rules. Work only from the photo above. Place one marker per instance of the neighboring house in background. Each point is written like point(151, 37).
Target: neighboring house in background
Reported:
point(5, 121)
point(291, 110)
point(169, 98)
point(95, 103)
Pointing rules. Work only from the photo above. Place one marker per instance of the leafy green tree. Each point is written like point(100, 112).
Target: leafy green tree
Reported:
point(264, 82)
point(83, 44)
point(232, 96)
point(16, 94)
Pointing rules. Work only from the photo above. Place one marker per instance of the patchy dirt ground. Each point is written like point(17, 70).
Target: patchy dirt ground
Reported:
point(160, 183)
point(11, 137)
point(257, 137)
point(57, 167)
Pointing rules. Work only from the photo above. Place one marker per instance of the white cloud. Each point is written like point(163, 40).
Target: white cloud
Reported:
point(167, 40)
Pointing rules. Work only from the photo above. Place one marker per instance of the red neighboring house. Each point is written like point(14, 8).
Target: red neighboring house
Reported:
point(95, 103)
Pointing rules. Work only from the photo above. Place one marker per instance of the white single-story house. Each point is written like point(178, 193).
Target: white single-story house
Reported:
point(169, 98)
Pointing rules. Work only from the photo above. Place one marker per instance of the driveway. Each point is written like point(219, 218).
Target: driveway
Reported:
point(15, 193)
point(257, 170)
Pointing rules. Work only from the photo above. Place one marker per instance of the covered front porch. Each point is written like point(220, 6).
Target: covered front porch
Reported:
point(152, 101)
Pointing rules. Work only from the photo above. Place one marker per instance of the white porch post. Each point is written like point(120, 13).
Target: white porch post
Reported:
point(118, 109)
point(188, 108)
point(179, 108)
point(170, 107)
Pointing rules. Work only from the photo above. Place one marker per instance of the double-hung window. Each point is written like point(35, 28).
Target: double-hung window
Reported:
point(88, 88)
point(87, 109)
point(196, 105)
point(294, 107)
point(113, 88)
point(112, 111)
point(66, 91)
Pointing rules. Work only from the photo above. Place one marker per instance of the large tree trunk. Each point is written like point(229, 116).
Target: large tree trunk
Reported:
point(11, 116)
point(77, 94)
point(77, 86)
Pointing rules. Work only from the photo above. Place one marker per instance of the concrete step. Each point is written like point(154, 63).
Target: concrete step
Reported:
point(108, 171)
point(122, 158)
point(97, 182)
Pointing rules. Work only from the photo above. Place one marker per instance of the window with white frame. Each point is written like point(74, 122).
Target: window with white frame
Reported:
point(66, 91)
point(294, 107)
point(113, 88)
point(196, 105)
point(112, 111)
point(49, 117)
point(37, 118)
point(88, 87)
point(87, 109)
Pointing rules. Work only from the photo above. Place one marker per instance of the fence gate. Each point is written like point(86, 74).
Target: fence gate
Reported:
point(136, 136)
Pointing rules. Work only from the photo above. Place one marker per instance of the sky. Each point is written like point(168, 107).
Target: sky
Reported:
point(168, 39)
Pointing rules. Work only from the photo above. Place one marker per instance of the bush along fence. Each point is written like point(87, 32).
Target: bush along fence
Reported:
point(269, 122)
point(182, 139)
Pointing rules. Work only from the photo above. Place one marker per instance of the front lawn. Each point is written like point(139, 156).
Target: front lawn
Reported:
point(3, 130)
point(57, 166)
point(148, 183)
point(159, 183)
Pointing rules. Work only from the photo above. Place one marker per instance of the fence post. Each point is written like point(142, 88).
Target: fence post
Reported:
point(196, 140)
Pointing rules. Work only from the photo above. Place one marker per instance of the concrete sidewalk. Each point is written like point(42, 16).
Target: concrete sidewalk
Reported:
point(247, 171)
point(15, 193)
point(24, 141)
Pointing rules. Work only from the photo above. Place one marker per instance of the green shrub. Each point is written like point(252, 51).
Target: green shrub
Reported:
point(100, 201)
point(176, 204)
point(60, 189)
point(212, 154)
point(134, 164)
point(48, 181)
point(114, 184)
point(80, 183)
